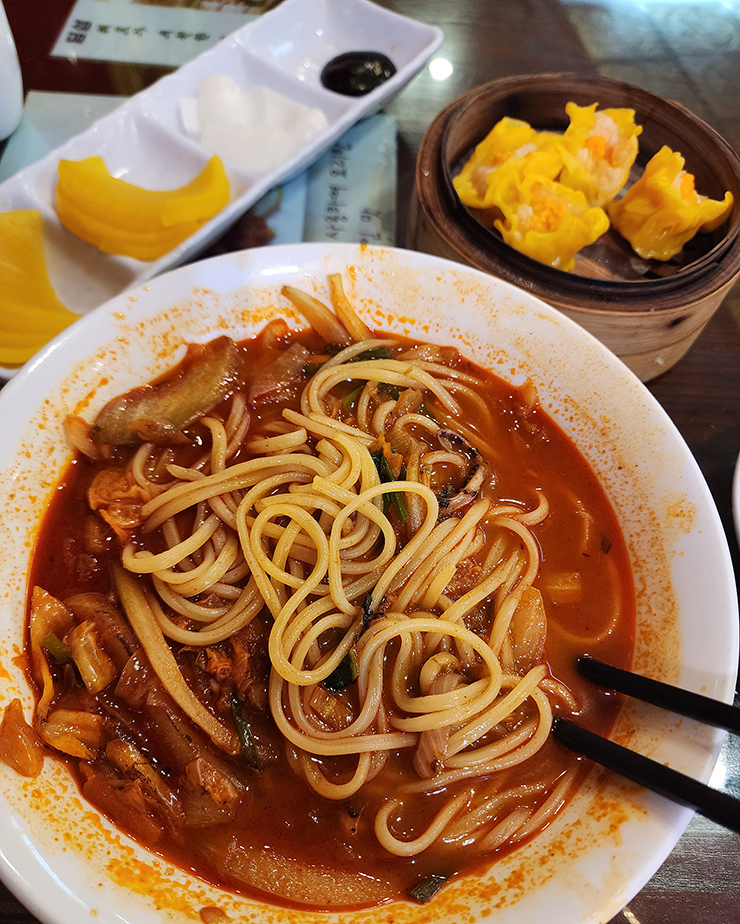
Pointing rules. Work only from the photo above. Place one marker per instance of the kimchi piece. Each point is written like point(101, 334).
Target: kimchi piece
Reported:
point(662, 211)
point(599, 148)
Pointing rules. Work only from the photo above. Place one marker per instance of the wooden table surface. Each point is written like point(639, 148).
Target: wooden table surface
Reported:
point(486, 39)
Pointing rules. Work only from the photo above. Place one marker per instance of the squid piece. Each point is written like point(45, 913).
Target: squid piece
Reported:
point(158, 413)
point(478, 472)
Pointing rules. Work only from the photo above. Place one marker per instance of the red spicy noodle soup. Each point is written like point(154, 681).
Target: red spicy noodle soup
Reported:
point(303, 611)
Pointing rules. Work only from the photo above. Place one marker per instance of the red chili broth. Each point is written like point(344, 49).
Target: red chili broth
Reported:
point(283, 814)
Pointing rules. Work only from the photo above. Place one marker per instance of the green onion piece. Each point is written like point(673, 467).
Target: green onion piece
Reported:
point(378, 458)
point(386, 475)
point(57, 649)
point(380, 464)
point(393, 391)
point(427, 888)
point(386, 472)
point(350, 401)
point(311, 368)
point(398, 499)
point(381, 352)
point(367, 613)
point(333, 348)
point(248, 748)
point(400, 504)
point(344, 674)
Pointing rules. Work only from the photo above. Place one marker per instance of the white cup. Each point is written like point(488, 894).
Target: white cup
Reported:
point(11, 85)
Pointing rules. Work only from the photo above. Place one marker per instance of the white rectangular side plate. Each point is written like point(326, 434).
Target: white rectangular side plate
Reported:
point(142, 140)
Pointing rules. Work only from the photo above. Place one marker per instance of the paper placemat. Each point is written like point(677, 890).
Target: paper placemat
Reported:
point(148, 33)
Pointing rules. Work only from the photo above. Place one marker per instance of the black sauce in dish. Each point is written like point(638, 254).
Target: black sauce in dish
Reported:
point(356, 73)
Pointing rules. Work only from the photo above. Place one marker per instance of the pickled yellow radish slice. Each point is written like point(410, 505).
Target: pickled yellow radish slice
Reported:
point(30, 312)
point(89, 187)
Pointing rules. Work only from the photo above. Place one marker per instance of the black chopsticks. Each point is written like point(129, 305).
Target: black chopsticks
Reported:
point(682, 702)
point(718, 806)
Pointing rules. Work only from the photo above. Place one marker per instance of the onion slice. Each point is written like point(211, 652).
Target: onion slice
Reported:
point(323, 321)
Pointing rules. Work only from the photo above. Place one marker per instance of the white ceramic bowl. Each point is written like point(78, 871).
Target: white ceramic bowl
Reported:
point(736, 498)
point(66, 863)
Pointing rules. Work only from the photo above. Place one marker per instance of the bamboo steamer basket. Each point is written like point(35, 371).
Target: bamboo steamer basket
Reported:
point(647, 312)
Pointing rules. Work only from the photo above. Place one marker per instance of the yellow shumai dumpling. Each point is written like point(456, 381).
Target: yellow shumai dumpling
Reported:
point(507, 138)
point(599, 149)
point(662, 210)
point(541, 217)
point(533, 159)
